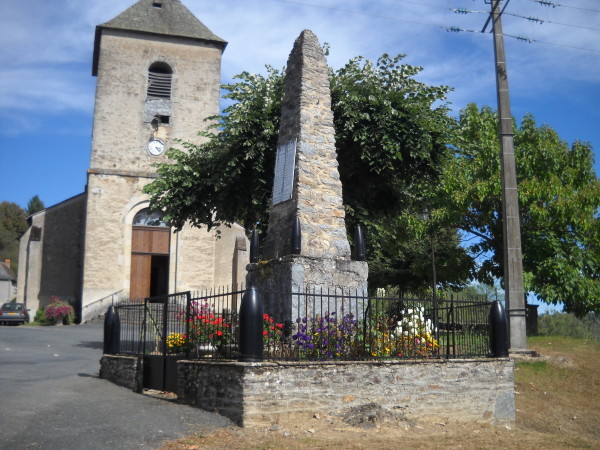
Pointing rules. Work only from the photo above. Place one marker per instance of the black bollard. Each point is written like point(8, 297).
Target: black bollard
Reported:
point(254, 245)
point(359, 244)
point(112, 331)
point(498, 330)
point(296, 237)
point(251, 326)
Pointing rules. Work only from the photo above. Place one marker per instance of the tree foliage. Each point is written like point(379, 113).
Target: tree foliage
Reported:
point(13, 224)
point(391, 136)
point(559, 195)
point(34, 205)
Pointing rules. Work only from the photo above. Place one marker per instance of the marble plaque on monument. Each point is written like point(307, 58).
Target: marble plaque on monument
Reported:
point(285, 162)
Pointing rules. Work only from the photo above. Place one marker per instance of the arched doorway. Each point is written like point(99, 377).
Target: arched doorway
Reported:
point(150, 242)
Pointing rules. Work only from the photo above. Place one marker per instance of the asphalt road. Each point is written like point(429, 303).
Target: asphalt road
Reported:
point(51, 396)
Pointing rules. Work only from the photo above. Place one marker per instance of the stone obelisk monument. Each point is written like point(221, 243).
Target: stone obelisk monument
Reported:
point(307, 191)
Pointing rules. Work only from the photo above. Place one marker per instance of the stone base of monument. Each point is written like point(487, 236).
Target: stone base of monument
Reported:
point(268, 393)
point(291, 286)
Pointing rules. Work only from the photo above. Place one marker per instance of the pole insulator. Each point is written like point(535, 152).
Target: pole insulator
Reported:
point(112, 331)
point(254, 246)
point(296, 237)
point(359, 244)
point(498, 330)
point(251, 326)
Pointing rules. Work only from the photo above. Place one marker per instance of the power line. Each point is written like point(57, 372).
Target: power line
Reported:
point(453, 29)
point(541, 21)
point(529, 18)
point(554, 5)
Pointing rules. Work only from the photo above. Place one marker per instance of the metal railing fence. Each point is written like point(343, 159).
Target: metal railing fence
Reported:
point(320, 325)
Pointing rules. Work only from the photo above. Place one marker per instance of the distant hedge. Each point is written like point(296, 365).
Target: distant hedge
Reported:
point(566, 324)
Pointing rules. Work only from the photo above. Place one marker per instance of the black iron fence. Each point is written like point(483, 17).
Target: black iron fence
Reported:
point(320, 325)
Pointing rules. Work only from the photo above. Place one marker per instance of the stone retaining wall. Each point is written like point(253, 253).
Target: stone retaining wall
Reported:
point(262, 394)
point(127, 371)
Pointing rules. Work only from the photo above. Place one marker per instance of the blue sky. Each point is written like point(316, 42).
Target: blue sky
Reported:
point(47, 91)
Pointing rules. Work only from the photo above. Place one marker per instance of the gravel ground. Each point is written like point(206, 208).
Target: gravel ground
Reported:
point(51, 396)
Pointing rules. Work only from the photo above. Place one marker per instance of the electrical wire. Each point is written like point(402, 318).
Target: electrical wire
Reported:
point(554, 5)
point(453, 29)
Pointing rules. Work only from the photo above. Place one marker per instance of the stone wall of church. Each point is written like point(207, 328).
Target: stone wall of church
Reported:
point(50, 255)
point(121, 131)
point(198, 259)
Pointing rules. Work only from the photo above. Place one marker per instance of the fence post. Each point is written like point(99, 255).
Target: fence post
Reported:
point(359, 244)
point(498, 330)
point(254, 246)
point(112, 331)
point(251, 326)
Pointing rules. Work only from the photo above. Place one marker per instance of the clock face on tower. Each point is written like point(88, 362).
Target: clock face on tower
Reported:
point(156, 147)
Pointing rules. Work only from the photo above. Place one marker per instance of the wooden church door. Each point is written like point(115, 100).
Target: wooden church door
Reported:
point(150, 243)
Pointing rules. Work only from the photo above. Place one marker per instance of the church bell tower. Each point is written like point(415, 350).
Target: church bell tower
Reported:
point(158, 77)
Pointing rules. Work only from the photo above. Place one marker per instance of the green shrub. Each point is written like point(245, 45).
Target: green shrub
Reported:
point(40, 316)
point(566, 324)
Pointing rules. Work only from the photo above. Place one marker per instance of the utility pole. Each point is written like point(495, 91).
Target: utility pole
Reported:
point(511, 227)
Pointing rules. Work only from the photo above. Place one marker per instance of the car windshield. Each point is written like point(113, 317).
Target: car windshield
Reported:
point(12, 307)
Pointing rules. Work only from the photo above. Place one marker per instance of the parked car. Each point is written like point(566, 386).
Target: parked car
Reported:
point(13, 313)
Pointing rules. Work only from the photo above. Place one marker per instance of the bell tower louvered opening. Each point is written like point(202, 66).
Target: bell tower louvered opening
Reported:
point(159, 81)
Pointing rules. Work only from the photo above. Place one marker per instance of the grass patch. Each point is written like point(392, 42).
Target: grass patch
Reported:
point(534, 367)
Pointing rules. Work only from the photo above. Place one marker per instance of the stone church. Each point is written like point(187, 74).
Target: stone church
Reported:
point(158, 76)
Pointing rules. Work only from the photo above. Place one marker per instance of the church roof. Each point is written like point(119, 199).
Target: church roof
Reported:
point(161, 17)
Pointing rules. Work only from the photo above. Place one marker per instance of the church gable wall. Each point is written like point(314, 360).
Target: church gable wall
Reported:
point(51, 255)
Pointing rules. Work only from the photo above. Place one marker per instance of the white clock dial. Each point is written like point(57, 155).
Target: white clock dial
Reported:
point(156, 147)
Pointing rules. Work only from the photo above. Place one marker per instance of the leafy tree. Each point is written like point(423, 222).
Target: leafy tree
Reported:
point(230, 177)
point(34, 205)
point(390, 140)
point(13, 224)
point(559, 195)
point(390, 137)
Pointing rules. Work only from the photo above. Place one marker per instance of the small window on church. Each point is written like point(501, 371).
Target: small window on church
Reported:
point(148, 218)
point(157, 4)
point(159, 80)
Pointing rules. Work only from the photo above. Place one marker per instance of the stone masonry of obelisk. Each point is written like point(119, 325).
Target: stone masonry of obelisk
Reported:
point(307, 186)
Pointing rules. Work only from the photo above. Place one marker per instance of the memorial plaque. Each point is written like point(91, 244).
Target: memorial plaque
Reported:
point(285, 162)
